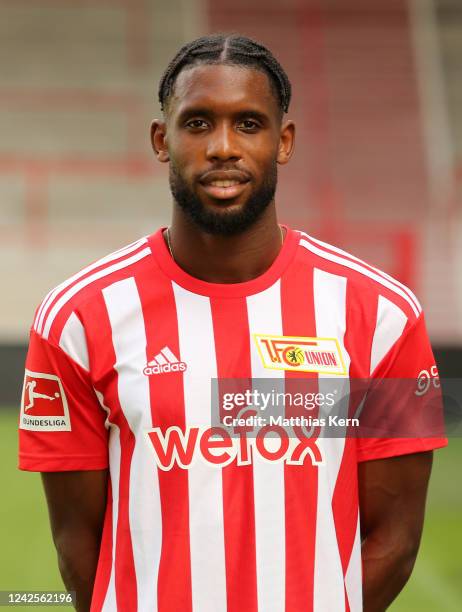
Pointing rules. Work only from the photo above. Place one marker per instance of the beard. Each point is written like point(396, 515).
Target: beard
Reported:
point(223, 222)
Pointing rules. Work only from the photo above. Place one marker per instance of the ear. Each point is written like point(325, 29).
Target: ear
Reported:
point(159, 140)
point(286, 142)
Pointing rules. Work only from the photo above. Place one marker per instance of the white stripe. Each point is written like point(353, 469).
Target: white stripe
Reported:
point(359, 268)
point(363, 263)
point(74, 342)
point(145, 517)
point(87, 281)
point(330, 313)
point(197, 349)
point(264, 314)
point(110, 601)
point(353, 577)
point(389, 326)
point(104, 260)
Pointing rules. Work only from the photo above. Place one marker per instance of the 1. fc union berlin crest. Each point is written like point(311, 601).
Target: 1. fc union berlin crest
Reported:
point(301, 354)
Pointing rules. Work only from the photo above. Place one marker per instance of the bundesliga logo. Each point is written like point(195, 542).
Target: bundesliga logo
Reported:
point(300, 354)
point(164, 362)
point(44, 404)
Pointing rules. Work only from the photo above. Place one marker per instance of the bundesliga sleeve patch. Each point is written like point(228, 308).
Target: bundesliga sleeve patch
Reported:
point(44, 404)
point(300, 354)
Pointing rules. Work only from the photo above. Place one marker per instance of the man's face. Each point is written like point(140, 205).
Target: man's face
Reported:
point(223, 132)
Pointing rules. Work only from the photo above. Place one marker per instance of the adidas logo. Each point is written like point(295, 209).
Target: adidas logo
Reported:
point(164, 362)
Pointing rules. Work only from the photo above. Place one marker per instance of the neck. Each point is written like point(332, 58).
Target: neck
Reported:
point(225, 259)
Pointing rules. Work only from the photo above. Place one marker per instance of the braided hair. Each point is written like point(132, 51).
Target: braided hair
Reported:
point(231, 49)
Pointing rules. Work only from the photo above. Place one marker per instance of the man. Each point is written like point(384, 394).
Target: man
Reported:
point(150, 508)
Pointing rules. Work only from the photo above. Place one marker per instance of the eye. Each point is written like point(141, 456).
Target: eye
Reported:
point(196, 124)
point(249, 125)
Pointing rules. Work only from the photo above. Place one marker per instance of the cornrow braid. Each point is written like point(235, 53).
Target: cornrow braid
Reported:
point(232, 49)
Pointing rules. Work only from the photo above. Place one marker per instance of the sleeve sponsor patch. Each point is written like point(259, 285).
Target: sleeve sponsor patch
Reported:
point(44, 404)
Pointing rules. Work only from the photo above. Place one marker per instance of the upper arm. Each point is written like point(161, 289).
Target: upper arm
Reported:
point(76, 503)
point(392, 494)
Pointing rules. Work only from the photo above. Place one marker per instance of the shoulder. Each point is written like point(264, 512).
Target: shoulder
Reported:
point(365, 282)
point(60, 304)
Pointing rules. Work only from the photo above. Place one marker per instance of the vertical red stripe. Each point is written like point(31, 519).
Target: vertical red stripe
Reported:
point(345, 498)
point(125, 576)
point(232, 343)
point(167, 408)
point(301, 482)
point(103, 573)
point(345, 506)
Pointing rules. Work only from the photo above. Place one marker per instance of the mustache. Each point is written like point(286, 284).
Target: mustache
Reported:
point(224, 174)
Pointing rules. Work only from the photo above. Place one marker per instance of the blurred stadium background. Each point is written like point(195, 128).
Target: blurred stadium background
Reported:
point(377, 170)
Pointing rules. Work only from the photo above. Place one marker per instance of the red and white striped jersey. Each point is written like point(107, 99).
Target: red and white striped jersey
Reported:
point(118, 375)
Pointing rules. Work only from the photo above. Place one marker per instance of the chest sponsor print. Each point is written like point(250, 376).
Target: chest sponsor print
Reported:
point(214, 446)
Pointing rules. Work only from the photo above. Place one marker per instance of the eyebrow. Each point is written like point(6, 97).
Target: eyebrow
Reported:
point(206, 112)
point(262, 117)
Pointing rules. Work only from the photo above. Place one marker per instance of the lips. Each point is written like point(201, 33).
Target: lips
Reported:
point(224, 184)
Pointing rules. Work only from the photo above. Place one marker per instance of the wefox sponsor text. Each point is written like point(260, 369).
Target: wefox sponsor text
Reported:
point(215, 446)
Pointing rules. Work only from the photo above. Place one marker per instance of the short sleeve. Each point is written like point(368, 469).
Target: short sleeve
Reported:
point(404, 408)
point(61, 425)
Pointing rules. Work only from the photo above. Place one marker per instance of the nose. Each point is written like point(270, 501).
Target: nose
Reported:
point(222, 144)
